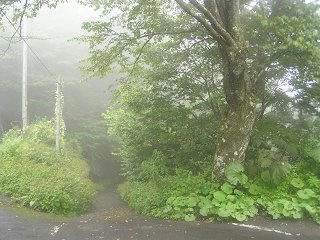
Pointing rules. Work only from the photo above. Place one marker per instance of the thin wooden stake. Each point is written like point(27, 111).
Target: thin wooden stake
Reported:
point(58, 115)
point(24, 77)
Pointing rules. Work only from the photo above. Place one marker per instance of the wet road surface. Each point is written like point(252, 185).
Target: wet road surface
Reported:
point(111, 219)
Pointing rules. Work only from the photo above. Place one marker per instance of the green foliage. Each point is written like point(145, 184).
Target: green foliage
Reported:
point(235, 173)
point(297, 182)
point(187, 196)
point(272, 149)
point(154, 168)
point(167, 113)
point(33, 174)
point(191, 203)
point(153, 129)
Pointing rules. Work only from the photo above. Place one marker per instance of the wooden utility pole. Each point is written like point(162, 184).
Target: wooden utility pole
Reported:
point(24, 75)
point(1, 127)
point(58, 115)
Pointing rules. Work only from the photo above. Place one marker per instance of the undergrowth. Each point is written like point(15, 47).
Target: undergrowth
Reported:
point(34, 174)
point(189, 197)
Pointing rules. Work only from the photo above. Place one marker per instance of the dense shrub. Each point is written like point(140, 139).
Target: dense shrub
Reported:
point(167, 148)
point(149, 122)
point(34, 174)
point(188, 196)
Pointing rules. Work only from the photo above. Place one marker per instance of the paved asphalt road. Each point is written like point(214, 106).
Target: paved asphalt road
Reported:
point(111, 219)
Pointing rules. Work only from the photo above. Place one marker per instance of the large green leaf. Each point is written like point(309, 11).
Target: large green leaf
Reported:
point(227, 188)
point(204, 211)
point(219, 195)
point(223, 212)
point(240, 217)
point(233, 172)
point(254, 189)
point(306, 194)
point(297, 182)
point(190, 217)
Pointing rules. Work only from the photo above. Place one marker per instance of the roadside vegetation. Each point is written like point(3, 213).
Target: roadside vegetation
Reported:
point(219, 117)
point(167, 156)
point(216, 114)
point(35, 175)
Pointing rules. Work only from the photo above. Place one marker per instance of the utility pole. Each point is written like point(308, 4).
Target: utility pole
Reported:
point(1, 127)
point(58, 115)
point(24, 75)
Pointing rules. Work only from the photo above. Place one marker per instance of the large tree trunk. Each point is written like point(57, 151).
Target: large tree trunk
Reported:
point(221, 20)
point(234, 139)
point(237, 127)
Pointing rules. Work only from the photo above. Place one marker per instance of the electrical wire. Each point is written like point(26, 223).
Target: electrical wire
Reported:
point(33, 52)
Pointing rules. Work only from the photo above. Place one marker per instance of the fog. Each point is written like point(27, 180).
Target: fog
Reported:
point(51, 39)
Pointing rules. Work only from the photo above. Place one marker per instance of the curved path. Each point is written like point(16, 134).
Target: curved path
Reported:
point(111, 219)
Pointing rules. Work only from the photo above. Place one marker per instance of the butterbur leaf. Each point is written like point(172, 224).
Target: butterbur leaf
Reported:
point(236, 191)
point(219, 195)
point(306, 194)
point(240, 217)
point(254, 189)
point(190, 217)
point(232, 172)
point(231, 198)
point(205, 203)
point(297, 182)
point(215, 202)
point(315, 154)
point(261, 201)
point(204, 211)
point(310, 209)
point(243, 179)
point(191, 201)
point(297, 215)
point(227, 188)
point(223, 212)
point(275, 215)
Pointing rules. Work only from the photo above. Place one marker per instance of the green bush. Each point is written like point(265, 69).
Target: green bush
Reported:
point(187, 196)
point(149, 123)
point(34, 174)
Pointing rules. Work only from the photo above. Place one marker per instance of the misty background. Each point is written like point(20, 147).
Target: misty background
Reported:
point(50, 35)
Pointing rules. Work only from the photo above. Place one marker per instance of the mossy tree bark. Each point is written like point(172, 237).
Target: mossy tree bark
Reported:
point(240, 117)
point(220, 18)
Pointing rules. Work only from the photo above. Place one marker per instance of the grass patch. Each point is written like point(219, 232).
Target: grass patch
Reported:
point(33, 174)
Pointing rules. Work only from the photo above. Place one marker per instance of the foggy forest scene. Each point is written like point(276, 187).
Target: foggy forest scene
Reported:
point(153, 119)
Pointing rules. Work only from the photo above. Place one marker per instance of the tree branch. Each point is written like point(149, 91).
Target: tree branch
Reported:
point(16, 30)
point(140, 54)
point(22, 15)
point(211, 5)
point(214, 23)
point(213, 33)
point(233, 8)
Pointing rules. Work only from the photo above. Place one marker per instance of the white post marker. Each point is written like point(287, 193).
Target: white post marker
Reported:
point(58, 114)
point(24, 75)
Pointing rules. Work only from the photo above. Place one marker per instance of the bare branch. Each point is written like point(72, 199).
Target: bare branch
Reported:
point(16, 30)
point(9, 44)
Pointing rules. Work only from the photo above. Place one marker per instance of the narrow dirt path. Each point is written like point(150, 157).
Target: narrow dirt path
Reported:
point(112, 219)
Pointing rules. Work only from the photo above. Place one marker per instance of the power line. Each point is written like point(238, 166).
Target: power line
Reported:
point(33, 52)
